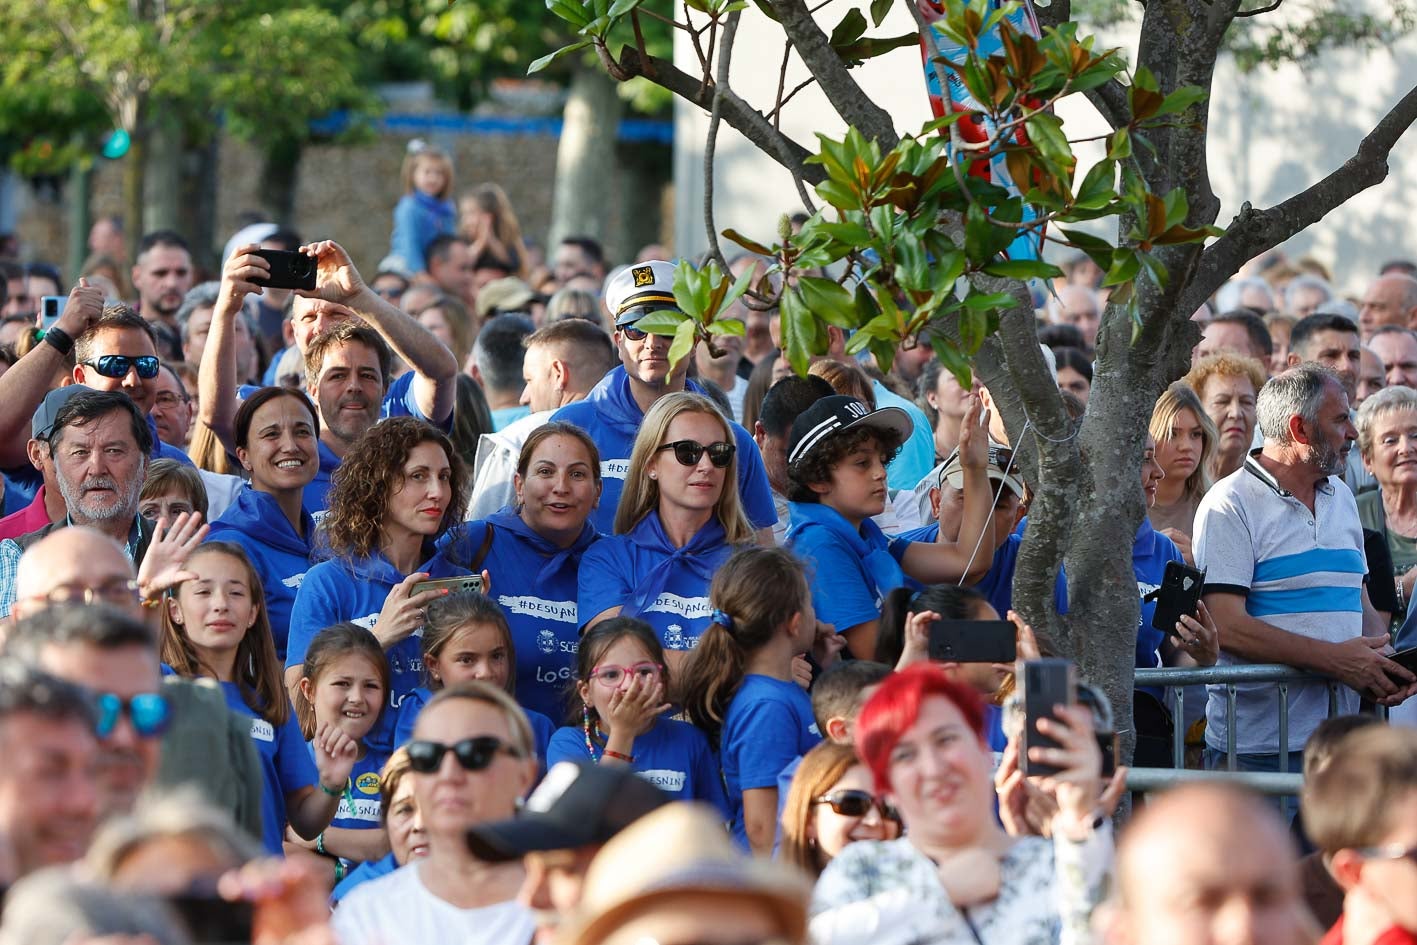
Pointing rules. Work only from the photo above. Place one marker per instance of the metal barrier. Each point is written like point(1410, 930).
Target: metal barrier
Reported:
point(1174, 679)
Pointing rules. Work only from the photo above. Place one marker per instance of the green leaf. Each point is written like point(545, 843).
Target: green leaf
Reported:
point(828, 300)
point(1119, 145)
point(1143, 79)
point(851, 28)
point(1096, 190)
point(766, 9)
point(989, 302)
point(683, 342)
point(839, 195)
point(953, 360)
point(752, 246)
point(691, 289)
point(1125, 266)
point(879, 9)
point(983, 240)
point(621, 7)
point(1176, 207)
point(728, 326)
point(1023, 269)
point(538, 64)
point(1045, 130)
point(845, 231)
point(739, 288)
point(949, 266)
point(1180, 100)
point(662, 322)
point(973, 324)
point(1154, 269)
point(799, 331)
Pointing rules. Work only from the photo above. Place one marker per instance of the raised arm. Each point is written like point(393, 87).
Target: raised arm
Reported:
point(216, 376)
point(24, 385)
point(436, 370)
point(970, 556)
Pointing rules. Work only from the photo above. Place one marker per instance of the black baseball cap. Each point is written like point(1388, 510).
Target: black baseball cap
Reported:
point(837, 414)
point(42, 426)
point(576, 805)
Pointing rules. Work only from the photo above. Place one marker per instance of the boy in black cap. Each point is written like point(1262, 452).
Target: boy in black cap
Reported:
point(575, 810)
point(836, 464)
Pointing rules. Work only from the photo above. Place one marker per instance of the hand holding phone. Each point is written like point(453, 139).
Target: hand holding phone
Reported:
point(1046, 683)
point(1179, 595)
point(289, 270)
point(973, 641)
point(453, 585)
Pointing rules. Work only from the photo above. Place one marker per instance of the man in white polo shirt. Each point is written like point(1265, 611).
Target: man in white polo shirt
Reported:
point(1283, 552)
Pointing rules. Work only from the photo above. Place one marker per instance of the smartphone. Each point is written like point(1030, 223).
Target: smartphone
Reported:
point(1046, 683)
point(1103, 724)
point(211, 920)
point(469, 582)
point(1179, 595)
point(1407, 659)
point(973, 641)
point(50, 308)
point(289, 270)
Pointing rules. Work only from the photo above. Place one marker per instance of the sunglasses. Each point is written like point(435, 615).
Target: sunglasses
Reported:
point(612, 675)
point(857, 804)
point(688, 452)
point(149, 712)
point(118, 365)
point(633, 333)
point(1393, 852)
point(474, 754)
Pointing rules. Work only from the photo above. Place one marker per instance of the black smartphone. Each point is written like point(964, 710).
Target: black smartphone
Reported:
point(973, 641)
point(289, 270)
point(1407, 659)
point(50, 308)
point(1178, 596)
point(1046, 683)
point(211, 920)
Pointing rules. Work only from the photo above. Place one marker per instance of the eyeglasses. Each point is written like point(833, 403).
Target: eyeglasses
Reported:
point(633, 333)
point(689, 452)
point(850, 803)
point(117, 591)
point(389, 292)
point(474, 754)
point(611, 675)
point(148, 711)
point(118, 365)
point(1391, 852)
point(168, 399)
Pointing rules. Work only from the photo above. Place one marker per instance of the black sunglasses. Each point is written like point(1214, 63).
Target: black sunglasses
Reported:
point(474, 754)
point(851, 803)
point(689, 452)
point(118, 365)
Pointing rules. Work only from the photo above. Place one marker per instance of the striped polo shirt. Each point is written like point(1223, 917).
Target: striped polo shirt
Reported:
point(1298, 570)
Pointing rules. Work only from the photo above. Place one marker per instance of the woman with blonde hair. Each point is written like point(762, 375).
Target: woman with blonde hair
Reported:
point(832, 803)
point(1185, 442)
point(679, 518)
point(489, 223)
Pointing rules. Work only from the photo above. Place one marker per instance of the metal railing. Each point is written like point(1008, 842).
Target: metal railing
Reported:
point(1174, 680)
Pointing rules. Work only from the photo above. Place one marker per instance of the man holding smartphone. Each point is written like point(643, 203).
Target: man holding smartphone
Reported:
point(1282, 546)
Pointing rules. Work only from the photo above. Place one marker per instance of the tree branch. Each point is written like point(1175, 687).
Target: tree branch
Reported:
point(854, 106)
point(725, 56)
point(1260, 10)
point(1255, 231)
point(742, 117)
point(1110, 100)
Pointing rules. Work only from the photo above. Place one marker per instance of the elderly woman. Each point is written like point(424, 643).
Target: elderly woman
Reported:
point(1387, 441)
point(1185, 442)
point(1228, 386)
point(956, 876)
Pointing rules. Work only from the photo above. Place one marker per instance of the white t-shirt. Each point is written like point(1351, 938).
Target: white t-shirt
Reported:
point(398, 909)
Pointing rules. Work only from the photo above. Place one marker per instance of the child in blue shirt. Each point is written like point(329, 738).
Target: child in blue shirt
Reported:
point(467, 639)
point(621, 685)
point(424, 211)
point(836, 465)
point(740, 687)
point(344, 684)
point(216, 626)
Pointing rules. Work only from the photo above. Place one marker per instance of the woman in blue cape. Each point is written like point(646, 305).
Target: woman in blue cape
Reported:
point(277, 432)
point(532, 555)
point(399, 488)
point(679, 519)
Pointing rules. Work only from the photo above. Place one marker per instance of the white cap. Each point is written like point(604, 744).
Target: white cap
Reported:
point(637, 290)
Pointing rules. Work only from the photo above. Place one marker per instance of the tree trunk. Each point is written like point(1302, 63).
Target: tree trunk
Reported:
point(134, 174)
point(162, 194)
point(585, 159)
point(281, 171)
point(80, 218)
point(197, 191)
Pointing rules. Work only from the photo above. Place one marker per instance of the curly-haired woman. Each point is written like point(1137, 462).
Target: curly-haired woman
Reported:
point(399, 488)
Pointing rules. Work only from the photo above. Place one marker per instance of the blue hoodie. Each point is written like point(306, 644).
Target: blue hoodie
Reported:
point(1150, 552)
point(281, 557)
point(646, 576)
point(418, 219)
point(536, 585)
point(612, 418)
point(997, 584)
point(337, 590)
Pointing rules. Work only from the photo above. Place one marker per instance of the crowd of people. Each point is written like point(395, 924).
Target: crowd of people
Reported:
point(440, 605)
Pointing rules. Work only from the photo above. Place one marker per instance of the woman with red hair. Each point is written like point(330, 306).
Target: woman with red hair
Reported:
point(956, 876)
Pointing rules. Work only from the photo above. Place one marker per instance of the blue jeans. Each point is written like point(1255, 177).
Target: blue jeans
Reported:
point(1288, 805)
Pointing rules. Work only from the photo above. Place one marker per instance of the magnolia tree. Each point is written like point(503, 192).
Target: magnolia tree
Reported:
point(924, 246)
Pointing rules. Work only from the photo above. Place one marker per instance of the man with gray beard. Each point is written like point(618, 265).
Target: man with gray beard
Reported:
point(100, 444)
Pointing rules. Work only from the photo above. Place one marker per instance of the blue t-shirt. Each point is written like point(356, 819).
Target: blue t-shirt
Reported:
point(279, 555)
point(337, 590)
point(1150, 552)
point(997, 584)
point(361, 805)
point(286, 766)
point(768, 723)
point(535, 584)
point(612, 418)
point(541, 726)
point(844, 592)
point(418, 219)
point(673, 756)
point(663, 586)
point(362, 873)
